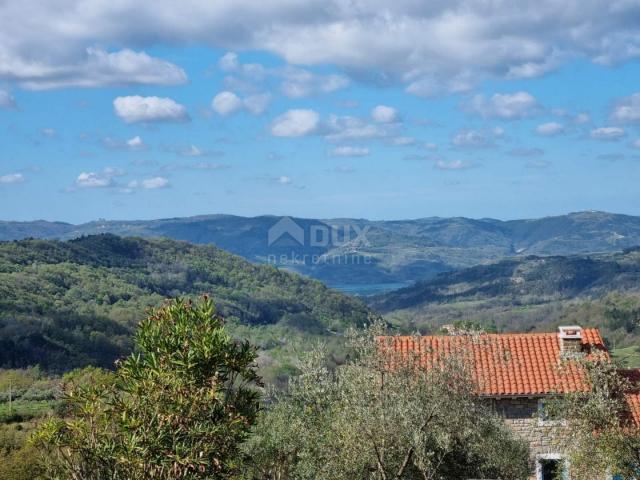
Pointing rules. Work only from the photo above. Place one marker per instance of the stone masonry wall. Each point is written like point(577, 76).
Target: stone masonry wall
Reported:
point(521, 414)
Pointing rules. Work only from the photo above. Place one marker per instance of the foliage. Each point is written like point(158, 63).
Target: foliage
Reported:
point(600, 434)
point(176, 408)
point(379, 417)
point(65, 305)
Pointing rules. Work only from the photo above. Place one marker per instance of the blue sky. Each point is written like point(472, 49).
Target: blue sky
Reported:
point(442, 112)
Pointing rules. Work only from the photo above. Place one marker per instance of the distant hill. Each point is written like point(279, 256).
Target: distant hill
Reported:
point(527, 294)
point(73, 303)
point(394, 251)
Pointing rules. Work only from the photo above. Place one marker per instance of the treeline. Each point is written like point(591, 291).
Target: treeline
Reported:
point(69, 304)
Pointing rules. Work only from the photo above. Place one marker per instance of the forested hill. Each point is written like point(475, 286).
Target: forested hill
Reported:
point(65, 304)
point(396, 251)
point(530, 294)
point(522, 281)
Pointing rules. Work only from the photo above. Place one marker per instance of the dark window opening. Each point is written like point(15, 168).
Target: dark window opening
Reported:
point(551, 469)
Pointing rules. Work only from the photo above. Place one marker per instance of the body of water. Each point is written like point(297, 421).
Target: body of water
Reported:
point(366, 289)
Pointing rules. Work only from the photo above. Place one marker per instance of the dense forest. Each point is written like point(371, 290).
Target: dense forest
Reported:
point(75, 303)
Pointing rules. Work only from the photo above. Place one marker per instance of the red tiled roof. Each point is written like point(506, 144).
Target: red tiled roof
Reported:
point(506, 364)
point(633, 397)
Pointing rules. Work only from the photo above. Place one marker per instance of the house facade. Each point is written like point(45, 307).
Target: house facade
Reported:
point(517, 374)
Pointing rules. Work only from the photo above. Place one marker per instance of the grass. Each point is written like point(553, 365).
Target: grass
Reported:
point(25, 410)
point(628, 357)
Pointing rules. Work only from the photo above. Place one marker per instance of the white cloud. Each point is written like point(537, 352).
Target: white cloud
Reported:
point(636, 143)
point(135, 109)
point(11, 178)
point(298, 83)
point(48, 132)
point(99, 68)
point(7, 101)
point(453, 165)
point(228, 62)
point(295, 123)
point(341, 128)
point(99, 179)
point(134, 144)
point(227, 103)
point(283, 180)
point(154, 183)
point(467, 41)
point(550, 129)
point(384, 114)
point(257, 104)
point(471, 139)
point(507, 106)
point(347, 151)
point(627, 110)
point(607, 133)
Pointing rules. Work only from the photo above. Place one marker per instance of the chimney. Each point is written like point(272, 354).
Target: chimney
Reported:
point(570, 341)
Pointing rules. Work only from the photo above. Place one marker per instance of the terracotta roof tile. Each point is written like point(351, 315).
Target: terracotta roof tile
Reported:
point(633, 397)
point(506, 364)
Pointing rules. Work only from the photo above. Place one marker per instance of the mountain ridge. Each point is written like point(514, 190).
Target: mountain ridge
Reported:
point(395, 250)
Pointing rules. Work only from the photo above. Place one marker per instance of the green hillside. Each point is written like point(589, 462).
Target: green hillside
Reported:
point(529, 294)
point(395, 251)
point(73, 303)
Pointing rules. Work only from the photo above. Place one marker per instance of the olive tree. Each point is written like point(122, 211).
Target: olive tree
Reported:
point(176, 408)
point(601, 435)
point(382, 417)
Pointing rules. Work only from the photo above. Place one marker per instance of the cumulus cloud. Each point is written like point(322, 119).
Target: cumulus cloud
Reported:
point(607, 133)
point(627, 110)
point(293, 82)
point(103, 179)
point(298, 83)
point(347, 151)
point(467, 40)
point(98, 68)
point(7, 101)
point(550, 129)
point(11, 178)
point(346, 128)
point(471, 139)
point(384, 114)
point(154, 183)
point(136, 109)
point(508, 106)
point(227, 103)
point(295, 123)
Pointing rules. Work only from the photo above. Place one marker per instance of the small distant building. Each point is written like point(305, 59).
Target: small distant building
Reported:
point(517, 373)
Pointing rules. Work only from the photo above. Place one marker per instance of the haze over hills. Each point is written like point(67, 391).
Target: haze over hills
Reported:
point(361, 252)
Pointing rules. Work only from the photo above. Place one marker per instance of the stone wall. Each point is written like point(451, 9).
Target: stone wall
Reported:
point(522, 415)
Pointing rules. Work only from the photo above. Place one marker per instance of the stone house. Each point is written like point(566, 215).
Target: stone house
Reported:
point(517, 373)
